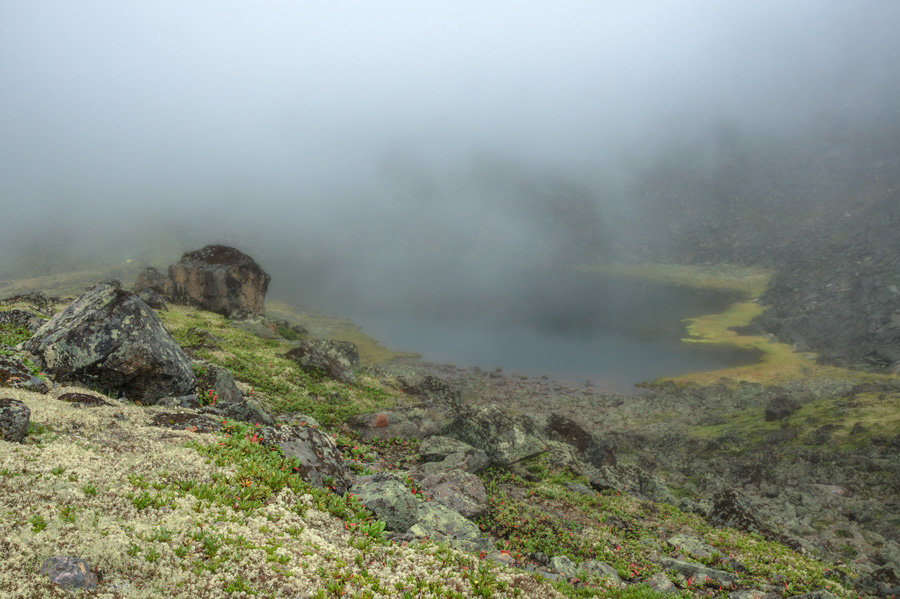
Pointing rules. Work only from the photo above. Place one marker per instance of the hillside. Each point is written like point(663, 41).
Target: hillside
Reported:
point(629, 508)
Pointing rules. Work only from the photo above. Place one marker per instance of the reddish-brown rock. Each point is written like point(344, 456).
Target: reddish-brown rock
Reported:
point(220, 279)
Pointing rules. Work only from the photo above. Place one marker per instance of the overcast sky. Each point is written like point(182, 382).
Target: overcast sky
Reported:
point(308, 114)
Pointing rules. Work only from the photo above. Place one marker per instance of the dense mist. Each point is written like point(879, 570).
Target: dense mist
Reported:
point(393, 145)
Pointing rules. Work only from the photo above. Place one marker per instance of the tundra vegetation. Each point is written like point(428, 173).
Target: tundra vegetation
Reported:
point(189, 514)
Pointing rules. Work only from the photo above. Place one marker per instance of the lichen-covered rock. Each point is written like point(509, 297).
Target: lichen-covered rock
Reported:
point(438, 522)
point(14, 373)
point(109, 338)
point(22, 318)
point(459, 490)
point(601, 569)
point(220, 279)
point(14, 419)
point(698, 574)
point(504, 438)
point(630, 479)
point(69, 572)
point(441, 454)
point(564, 566)
point(337, 359)
point(321, 463)
point(389, 498)
point(691, 546)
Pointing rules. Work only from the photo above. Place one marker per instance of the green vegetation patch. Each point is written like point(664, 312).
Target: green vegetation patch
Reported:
point(273, 379)
point(751, 282)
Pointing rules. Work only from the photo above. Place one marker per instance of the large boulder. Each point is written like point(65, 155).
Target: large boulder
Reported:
point(14, 419)
point(220, 279)
point(506, 439)
point(337, 359)
point(110, 339)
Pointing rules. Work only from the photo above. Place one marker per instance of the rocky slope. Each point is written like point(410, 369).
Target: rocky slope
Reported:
point(478, 485)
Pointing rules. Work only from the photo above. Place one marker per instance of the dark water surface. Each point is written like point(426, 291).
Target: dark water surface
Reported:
point(612, 330)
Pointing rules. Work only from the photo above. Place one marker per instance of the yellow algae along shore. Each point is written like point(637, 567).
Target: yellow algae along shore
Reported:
point(778, 362)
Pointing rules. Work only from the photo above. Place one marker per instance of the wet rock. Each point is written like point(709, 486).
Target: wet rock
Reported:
point(109, 338)
point(14, 420)
point(70, 572)
point(14, 373)
point(321, 463)
point(220, 279)
point(504, 438)
point(337, 359)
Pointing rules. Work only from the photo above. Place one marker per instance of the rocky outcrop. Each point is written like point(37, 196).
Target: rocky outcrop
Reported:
point(15, 373)
point(402, 512)
point(506, 439)
point(337, 359)
point(217, 278)
point(320, 461)
point(14, 419)
point(110, 339)
point(459, 490)
point(22, 318)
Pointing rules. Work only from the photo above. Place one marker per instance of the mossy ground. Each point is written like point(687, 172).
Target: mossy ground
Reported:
point(275, 380)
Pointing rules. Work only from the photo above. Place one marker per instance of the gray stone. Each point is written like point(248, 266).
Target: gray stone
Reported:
point(461, 491)
point(69, 572)
point(630, 479)
point(14, 419)
point(698, 574)
point(438, 522)
point(601, 569)
point(660, 583)
point(504, 438)
point(781, 407)
point(320, 461)
point(337, 359)
point(691, 546)
point(564, 566)
point(22, 318)
point(389, 498)
point(110, 339)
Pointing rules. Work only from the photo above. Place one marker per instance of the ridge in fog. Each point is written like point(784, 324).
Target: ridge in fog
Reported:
point(361, 143)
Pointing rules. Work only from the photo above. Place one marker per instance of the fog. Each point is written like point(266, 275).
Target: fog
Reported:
point(360, 148)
